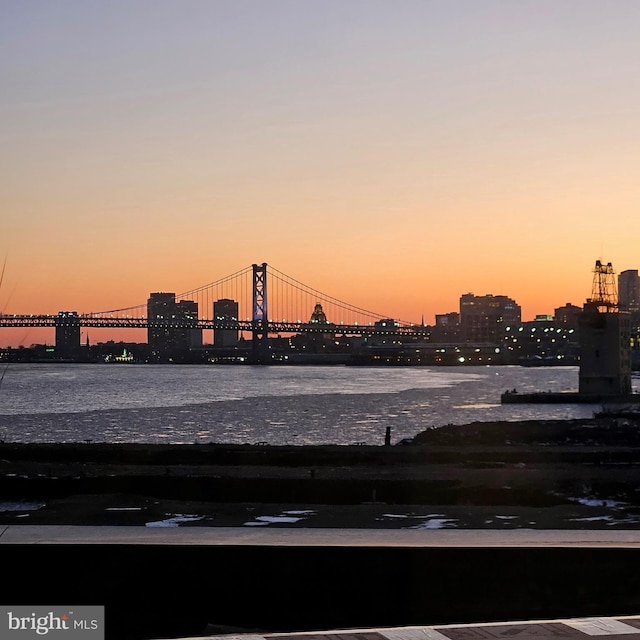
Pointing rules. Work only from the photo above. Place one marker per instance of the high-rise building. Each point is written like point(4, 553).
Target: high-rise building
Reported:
point(67, 334)
point(225, 310)
point(172, 325)
point(483, 318)
point(160, 310)
point(629, 290)
point(188, 311)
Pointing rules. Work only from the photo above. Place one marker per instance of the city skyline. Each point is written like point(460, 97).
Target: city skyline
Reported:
point(45, 335)
point(393, 155)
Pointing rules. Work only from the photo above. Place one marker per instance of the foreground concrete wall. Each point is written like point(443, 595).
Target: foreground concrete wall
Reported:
point(164, 591)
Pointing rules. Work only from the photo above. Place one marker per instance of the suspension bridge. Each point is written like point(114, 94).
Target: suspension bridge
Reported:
point(258, 300)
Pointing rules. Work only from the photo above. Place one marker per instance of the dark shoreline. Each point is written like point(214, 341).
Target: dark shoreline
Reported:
point(552, 472)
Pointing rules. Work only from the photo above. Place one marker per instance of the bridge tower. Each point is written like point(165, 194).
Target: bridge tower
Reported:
point(260, 330)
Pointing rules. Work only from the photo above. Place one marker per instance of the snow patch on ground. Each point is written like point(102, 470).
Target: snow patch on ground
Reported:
point(174, 521)
point(20, 505)
point(286, 517)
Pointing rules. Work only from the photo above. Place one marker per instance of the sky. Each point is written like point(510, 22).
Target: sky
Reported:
point(393, 154)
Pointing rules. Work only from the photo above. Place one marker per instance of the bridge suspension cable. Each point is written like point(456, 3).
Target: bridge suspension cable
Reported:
point(306, 297)
point(291, 302)
point(232, 286)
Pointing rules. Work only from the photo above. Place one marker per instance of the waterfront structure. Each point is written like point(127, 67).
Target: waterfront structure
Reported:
point(225, 310)
point(605, 352)
point(446, 328)
point(483, 318)
point(543, 341)
point(605, 341)
point(451, 319)
point(568, 315)
point(386, 323)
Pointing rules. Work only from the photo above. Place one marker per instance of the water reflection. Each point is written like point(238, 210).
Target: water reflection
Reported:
point(277, 405)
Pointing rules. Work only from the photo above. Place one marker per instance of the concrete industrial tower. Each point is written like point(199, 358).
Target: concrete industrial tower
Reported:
point(605, 346)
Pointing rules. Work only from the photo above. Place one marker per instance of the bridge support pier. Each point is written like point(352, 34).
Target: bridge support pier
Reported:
point(260, 329)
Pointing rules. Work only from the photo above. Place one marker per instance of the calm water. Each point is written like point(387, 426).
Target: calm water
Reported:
point(278, 405)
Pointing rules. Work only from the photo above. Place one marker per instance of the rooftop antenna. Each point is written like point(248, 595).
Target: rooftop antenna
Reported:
point(604, 294)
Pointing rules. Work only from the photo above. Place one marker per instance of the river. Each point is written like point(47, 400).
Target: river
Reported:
point(273, 404)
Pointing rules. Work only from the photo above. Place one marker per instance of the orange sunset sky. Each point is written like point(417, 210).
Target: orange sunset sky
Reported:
point(393, 154)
